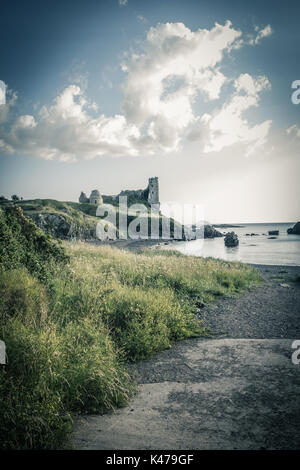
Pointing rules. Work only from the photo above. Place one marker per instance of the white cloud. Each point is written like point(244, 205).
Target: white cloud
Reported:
point(227, 126)
point(158, 109)
point(163, 81)
point(260, 34)
point(293, 131)
point(142, 18)
point(123, 3)
point(65, 130)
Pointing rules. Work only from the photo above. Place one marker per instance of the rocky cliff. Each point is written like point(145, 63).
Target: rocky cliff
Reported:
point(65, 227)
point(71, 220)
point(294, 230)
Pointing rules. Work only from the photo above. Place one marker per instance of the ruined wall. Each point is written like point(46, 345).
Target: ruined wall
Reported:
point(153, 191)
point(150, 195)
point(83, 198)
point(95, 197)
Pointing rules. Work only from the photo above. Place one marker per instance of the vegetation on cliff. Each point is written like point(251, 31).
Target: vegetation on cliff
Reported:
point(72, 220)
point(73, 315)
point(69, 220)
point(22, 244)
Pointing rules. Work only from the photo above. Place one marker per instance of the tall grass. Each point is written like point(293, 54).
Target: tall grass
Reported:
point(145, 300)
point(53, 369)
point(71, 326)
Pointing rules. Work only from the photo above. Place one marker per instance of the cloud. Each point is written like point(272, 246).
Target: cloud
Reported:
point(77, 75)
point(260, 34)
point(227, 126)
point(293, 131)
point(142, 18)
point(158, 112)
point(123, 3)
point(65, 130)
point(163, 81)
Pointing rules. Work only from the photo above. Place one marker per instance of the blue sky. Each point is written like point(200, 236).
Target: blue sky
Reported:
point(96, 101)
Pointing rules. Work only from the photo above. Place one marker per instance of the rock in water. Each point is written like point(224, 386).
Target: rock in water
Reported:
point(211, 232)
point(295, 230)
point(231, 239)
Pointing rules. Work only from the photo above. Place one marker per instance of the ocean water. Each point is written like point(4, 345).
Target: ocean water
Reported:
point(283, 250)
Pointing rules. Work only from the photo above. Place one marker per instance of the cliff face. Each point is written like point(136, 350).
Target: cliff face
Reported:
point(60, 219)
point(71, 220)
point(211, 232)
point(64, 226)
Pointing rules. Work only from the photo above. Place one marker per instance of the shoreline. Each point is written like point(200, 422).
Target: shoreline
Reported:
point(136, 245)
point(271, 310)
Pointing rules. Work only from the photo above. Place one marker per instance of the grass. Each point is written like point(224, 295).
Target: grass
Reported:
point(75, 317)
point(146, 300)
point(54, 367)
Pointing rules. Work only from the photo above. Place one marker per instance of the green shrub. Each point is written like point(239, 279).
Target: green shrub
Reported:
point(32, 415)
point(145, 321)
point(23, 297)
point(52, 372)
point(22, 244)
point(94, 378)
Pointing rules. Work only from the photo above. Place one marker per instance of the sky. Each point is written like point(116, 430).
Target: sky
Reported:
point(105, 94)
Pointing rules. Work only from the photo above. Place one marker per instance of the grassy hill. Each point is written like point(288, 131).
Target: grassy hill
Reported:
point(66, 220)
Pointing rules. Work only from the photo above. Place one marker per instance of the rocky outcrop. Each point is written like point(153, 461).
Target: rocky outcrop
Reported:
point(63, 226)
point(231, 239)
point(202, 231)
point(211, 232)
point(294, 230)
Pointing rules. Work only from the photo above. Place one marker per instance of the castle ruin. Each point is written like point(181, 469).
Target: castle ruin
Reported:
point(153, 191)
point(95, 198)
point(149, 195)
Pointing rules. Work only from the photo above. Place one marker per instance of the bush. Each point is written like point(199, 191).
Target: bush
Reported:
point(94, 378)
point(32, 415)
point(22, 244)
point(145, 321)
point(23, 297)
point(52, 372)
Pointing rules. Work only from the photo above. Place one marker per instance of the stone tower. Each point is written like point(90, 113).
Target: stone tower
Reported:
point(83, 198)
point(153, 191)
point(95, 197)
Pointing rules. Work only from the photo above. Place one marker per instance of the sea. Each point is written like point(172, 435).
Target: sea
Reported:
point(258, 248)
